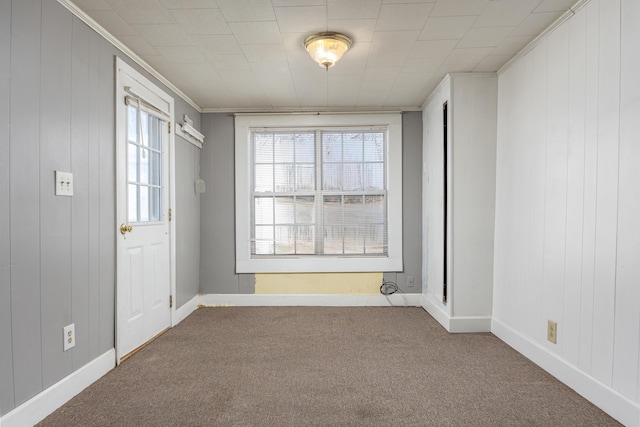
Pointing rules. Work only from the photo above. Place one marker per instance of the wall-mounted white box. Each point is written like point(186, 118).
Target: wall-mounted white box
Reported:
point(64, 183)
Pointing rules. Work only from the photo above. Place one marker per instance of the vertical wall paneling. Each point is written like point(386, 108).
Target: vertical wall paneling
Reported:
point(500, 275)
point(433, 194)
point(471, 154)
point(187, 214)
point(607, 190)
point(509, 279)
point(24, 202)
point(217, 262)
point(472, 195)
point(573, 135)
point(432, 188)
point(535, 139)
point(555, 212)
point(6, 358)
point(55, 211)
point(187, 217)
point(411, 200)
point(105, 92)
point(523, 147)
point(627, 302)
point(57, 254)
point(570, 322)
point(93, 177)
point(504, 283)
point(80, 105)
point(592, 68)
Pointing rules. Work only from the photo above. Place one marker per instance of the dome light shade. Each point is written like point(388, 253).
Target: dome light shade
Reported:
point(327, 48)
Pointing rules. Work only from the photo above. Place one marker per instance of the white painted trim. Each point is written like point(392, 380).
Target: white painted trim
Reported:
point(436, 312)
point(43, 404)
point(544, 34)
point(456, 324)
point(470, 324)
point(317, 300)
point(307, 110)
point(613, 403)
point(127, 76)
point(245, 263)
point(181, 132)
point(445, 80)
point(185, 310)
point(75, 10)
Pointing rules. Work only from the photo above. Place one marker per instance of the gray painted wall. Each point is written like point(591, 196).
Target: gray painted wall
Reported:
point(217, 266)
point(411, 203)
point(187, 217)
point(57, 254)
point(217, 220)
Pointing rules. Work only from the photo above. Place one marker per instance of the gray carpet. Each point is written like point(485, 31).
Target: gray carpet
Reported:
point(300, 366)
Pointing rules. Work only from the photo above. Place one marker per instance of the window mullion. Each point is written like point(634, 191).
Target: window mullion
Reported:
point(273, 197)
point(318, 199)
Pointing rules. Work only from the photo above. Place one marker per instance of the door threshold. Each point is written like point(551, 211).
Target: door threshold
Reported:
point(137, 349)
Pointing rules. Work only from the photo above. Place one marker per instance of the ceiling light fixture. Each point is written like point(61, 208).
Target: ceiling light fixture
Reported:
point(327, 48)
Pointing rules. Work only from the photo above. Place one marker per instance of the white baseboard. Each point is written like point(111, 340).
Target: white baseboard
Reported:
point(184, 310)
point(330, 300)
point(613, 403)
point(456, 324)
point(436, 312)
point(41, 405)
point(470, 324)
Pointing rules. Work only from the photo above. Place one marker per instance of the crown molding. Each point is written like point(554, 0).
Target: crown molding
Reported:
point(543, 35)
point(310, 110)
point(80, 14)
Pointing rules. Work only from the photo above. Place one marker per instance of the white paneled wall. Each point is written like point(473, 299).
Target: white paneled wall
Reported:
point(432, 196)
point(471, 152)
point(567, 244)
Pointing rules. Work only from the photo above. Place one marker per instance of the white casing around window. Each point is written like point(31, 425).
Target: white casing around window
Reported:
point(317, 263)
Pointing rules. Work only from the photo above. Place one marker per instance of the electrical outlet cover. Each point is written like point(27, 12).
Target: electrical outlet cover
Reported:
point(552, 331)
point(69, 336)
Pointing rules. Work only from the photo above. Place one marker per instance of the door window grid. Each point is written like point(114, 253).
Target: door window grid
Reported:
point(144, 166)
point(292, 215)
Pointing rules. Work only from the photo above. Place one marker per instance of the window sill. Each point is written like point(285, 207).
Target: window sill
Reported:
point(319, 265)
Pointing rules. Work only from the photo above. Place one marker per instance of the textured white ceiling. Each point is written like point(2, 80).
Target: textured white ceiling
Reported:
point(249, 54)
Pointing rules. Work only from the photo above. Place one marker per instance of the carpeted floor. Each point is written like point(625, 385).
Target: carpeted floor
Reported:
point(325, 366)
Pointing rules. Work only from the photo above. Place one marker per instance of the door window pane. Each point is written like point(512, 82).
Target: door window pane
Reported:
point(132, 203)
point(156, 168)
point(155, 204)
point(132, 162)
point(144, 166)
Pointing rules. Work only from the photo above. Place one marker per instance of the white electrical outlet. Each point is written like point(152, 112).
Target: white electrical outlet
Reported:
point(410, 282)
point(69, 336)
point(64, 183)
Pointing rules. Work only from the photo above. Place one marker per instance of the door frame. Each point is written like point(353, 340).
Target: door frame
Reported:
point(122, 67)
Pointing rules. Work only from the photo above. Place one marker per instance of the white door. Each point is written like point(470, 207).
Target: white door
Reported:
point(144, 252)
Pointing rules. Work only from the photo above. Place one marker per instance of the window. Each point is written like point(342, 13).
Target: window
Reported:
point(144, 166)
point(318, 193)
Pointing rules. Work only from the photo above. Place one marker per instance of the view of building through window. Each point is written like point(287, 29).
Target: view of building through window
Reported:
point(319, 192)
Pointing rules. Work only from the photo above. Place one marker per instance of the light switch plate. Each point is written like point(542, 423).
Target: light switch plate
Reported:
point(64, 183)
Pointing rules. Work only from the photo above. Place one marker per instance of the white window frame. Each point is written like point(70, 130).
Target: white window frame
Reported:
point(245, 263)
